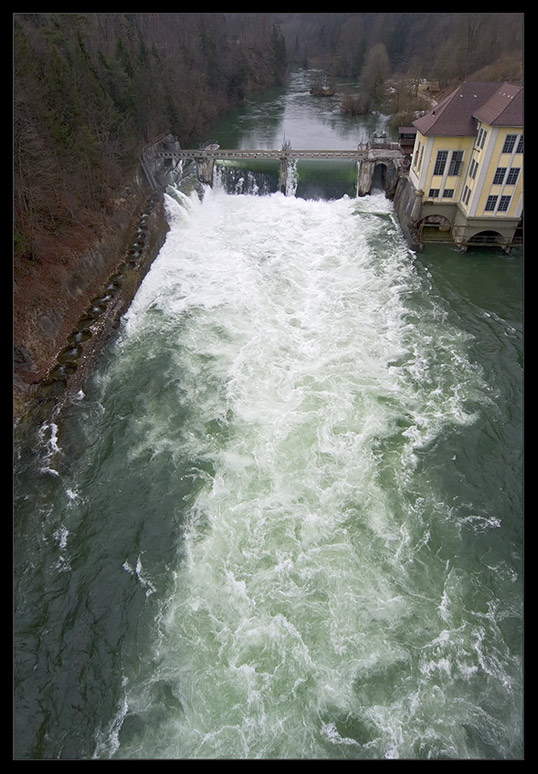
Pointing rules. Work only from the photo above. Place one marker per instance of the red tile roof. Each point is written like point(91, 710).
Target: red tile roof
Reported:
point(499, 104)
point(504, 108)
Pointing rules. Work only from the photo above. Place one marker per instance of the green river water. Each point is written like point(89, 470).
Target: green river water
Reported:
point(284, 520)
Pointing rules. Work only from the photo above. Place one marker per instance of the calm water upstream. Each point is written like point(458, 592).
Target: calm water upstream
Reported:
point(284, 520)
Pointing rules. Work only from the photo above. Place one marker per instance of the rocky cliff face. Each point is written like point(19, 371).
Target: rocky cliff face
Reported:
point(67, 305)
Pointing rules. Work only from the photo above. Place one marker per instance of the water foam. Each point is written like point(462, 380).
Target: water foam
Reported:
point(310, 614)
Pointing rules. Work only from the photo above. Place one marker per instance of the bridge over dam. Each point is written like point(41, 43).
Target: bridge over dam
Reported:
point(367, 156)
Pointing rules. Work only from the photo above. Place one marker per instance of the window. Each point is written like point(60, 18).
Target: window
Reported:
point(466, 195)
point(448, 193)
point(440, 162)
point(479, 137)
point(504, 203)
point(455, 163)
point(513, 175)
point(421, 155)
point(473, 168)
point(433, 193)
point(519, 148)
point(499, 175)
point(490, 204)
point(483, 140)
point(509, 142)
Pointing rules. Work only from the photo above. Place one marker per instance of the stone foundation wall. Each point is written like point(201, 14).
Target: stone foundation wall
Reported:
point(407, 209)
point(60, 333)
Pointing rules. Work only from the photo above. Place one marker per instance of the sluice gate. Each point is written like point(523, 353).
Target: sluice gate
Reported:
point(367, 156)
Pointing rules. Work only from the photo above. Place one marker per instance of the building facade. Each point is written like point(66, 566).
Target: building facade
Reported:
point(466, 171)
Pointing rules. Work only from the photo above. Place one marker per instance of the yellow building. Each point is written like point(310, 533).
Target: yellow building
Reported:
point(466, 171)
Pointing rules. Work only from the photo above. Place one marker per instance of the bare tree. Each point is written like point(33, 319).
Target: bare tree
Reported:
point(374, 75)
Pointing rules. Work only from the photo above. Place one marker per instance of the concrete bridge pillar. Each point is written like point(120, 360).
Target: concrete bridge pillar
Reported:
point(365, 173)
point(283, 175)
point(204, 170)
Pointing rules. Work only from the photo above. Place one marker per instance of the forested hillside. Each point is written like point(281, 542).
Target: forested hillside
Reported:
point(445, 46)
point(91, 89)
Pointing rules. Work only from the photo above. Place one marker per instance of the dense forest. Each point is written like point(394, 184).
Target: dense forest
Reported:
point(445, 46)
point(91, 89)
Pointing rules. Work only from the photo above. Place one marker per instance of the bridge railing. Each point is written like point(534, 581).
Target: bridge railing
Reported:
point(205, 154)
point(385, 144)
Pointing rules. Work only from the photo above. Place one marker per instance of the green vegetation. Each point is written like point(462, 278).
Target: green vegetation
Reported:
point(388, 55)
point(90, 89)
point(444, 46)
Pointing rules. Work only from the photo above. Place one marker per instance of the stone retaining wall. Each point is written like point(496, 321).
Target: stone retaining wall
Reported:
point(94, 319)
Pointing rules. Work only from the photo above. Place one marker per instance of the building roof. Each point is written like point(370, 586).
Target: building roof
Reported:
point(499, 104)
point(504, 107)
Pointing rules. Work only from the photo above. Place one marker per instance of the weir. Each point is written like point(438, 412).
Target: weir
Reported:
point(282, 520)
point(368, 156)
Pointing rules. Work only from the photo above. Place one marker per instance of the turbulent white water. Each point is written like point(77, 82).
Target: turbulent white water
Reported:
point(320, 605)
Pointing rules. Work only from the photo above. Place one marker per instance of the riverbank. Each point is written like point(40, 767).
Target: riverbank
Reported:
point(302, 438)
point(65, 314)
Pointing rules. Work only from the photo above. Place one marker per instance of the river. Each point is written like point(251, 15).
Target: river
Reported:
point(284, 519)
